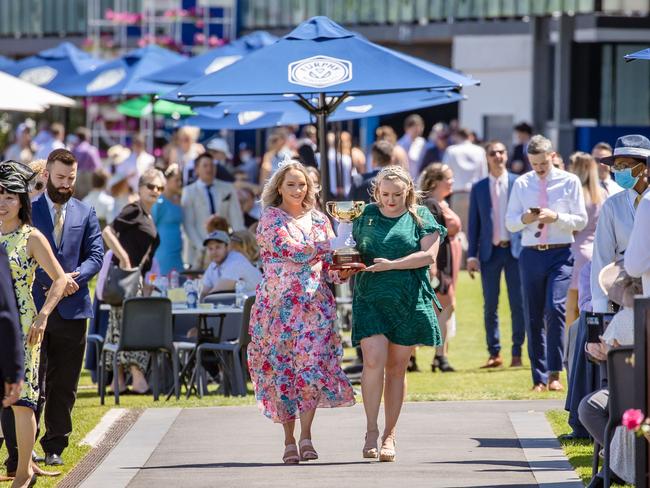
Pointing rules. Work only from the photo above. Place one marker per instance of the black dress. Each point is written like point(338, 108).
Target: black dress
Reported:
point(138, 236)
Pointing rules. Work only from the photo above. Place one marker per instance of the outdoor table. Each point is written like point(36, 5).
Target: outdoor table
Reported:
point(205, 333)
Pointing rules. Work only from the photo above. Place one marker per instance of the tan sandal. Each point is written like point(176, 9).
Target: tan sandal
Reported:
point(307, 451)
point(370, 450)
point(387, 451)
point(290, 455)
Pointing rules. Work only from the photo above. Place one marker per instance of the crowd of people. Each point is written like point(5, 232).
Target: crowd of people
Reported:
point(432, 206)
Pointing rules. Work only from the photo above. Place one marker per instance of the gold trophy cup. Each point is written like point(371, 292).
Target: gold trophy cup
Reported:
point(347, 257)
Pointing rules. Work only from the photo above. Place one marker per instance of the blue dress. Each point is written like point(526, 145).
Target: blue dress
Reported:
point(168, 218)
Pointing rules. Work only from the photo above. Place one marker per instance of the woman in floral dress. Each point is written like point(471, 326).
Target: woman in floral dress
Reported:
point(294, 356)
point(27, 249)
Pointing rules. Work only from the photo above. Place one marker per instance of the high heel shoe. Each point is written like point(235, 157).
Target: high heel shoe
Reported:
point(435, 364)
point(387, 451)
point(413, 365)
point(370, 450)
point(444, 365)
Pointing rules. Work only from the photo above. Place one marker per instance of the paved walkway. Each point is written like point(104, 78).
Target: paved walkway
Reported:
point(439, 444)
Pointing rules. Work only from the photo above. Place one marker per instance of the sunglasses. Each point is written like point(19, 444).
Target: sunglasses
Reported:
point(538, 234)
point(496, 151)
point(153, 187)
point(39, 186)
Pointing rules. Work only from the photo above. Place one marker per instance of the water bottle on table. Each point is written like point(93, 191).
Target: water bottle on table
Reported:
point(192, 297)
point(174, 279)
point(240, 293)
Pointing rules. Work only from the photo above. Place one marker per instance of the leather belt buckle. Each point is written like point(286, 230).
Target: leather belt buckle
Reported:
point(543, 247)
point(504, 244)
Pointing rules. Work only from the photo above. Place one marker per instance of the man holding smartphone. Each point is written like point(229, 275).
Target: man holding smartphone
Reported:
point(547, 206)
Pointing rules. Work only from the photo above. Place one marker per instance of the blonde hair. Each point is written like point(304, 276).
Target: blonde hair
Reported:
point(584, 166)
point(244, 241)
point(432, 175)
point(397, 173)
point(270, 194)
point(38, 166)
point(151, 175)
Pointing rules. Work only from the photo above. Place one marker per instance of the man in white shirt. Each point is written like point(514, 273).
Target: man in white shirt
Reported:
point(204, 198)
point(137, 163)
point(497, 251)
point(413, 143)
point(618, 213)
point(637, 255)
point(547, 205)
point(599, 151)
point(226, 267)
point(467, 161)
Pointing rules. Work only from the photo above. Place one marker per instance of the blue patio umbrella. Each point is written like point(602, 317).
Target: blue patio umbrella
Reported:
point(643, 54)
point(322, 63)
point(261, 115)
point(6, 63)
point(212, 60)
point(54, 68)
point(125, 75)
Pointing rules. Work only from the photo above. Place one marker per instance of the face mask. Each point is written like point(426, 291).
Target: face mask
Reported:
point(625, 179)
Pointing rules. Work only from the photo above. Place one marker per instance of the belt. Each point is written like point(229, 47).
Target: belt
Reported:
point(546, 247)
point(502, 244)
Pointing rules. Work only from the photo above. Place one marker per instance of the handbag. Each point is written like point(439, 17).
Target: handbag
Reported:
point(121, 283)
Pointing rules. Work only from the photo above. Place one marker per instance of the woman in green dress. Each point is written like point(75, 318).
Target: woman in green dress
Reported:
point(392, 308)
point(27, 249)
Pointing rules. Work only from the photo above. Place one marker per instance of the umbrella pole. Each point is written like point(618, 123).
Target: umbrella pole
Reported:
point(321, 122)
point(152, 126)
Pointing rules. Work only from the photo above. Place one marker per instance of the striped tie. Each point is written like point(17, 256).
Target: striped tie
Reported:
point(58, 224)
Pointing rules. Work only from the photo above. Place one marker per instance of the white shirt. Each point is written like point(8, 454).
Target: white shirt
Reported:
point(613, 230)
point(637, 254)
point(564, 197)
point(234, 267)
point(611, 187)
point(468, 162)
point(414, 150)
point(103, 204)
point(50, 204)
point(504, 235)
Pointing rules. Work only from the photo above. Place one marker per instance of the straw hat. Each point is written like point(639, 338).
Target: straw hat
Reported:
point(117, 154)
point(614, 282)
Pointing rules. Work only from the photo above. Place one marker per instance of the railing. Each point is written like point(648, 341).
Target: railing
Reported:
point(20, 18)
point(285, 13)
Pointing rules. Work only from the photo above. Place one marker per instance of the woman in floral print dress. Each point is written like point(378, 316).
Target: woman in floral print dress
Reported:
point(27, 249)
point(294, 356)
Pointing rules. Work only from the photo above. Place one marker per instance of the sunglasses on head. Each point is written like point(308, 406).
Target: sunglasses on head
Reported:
point(494, 152)
point(153, 187)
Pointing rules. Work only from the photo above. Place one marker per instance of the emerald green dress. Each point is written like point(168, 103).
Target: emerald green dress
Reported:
point(395, 303)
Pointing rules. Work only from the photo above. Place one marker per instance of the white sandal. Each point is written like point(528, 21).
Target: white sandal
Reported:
point(290, 455)
point(307, 451)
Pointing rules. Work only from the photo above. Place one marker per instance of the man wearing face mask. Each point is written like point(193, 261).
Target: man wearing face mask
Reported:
point(616, 220)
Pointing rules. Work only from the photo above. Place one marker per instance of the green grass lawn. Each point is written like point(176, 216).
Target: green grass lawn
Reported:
point(467, 353)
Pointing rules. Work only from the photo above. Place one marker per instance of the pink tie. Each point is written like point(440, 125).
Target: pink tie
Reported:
point(495, 191)
point(543, 203)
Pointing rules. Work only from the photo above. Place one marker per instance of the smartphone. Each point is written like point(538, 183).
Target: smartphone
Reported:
point(535, 210)
point(597, 323)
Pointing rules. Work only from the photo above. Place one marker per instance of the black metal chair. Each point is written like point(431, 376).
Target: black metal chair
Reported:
point(146, 326)
point(620, 373)
point(232, 353)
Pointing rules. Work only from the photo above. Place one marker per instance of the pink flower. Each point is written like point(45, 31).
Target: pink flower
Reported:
point(199, 38)
point(632, 419)
point(214, 41)
point(110, 15)
point(199, 24)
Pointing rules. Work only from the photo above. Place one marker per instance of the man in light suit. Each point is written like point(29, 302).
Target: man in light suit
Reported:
point(72, 229)
point(204, 198)
point(493, 249)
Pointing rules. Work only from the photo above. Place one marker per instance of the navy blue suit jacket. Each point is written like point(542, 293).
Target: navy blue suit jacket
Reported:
point(11, 337)
point(479, 227)
point(81, 250)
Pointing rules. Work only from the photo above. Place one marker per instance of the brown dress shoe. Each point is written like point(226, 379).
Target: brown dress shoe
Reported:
point(539, 388)
point(493, 362)
point(554, 382)
point(516, 362)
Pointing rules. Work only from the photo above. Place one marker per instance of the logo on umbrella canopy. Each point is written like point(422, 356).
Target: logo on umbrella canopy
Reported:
point(41, 75)
point(320, 71)
point(249, 116)
point(106, 79)
point(220, 63)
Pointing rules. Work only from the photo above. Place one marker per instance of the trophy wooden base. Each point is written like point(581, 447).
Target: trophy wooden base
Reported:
point(346, 260)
